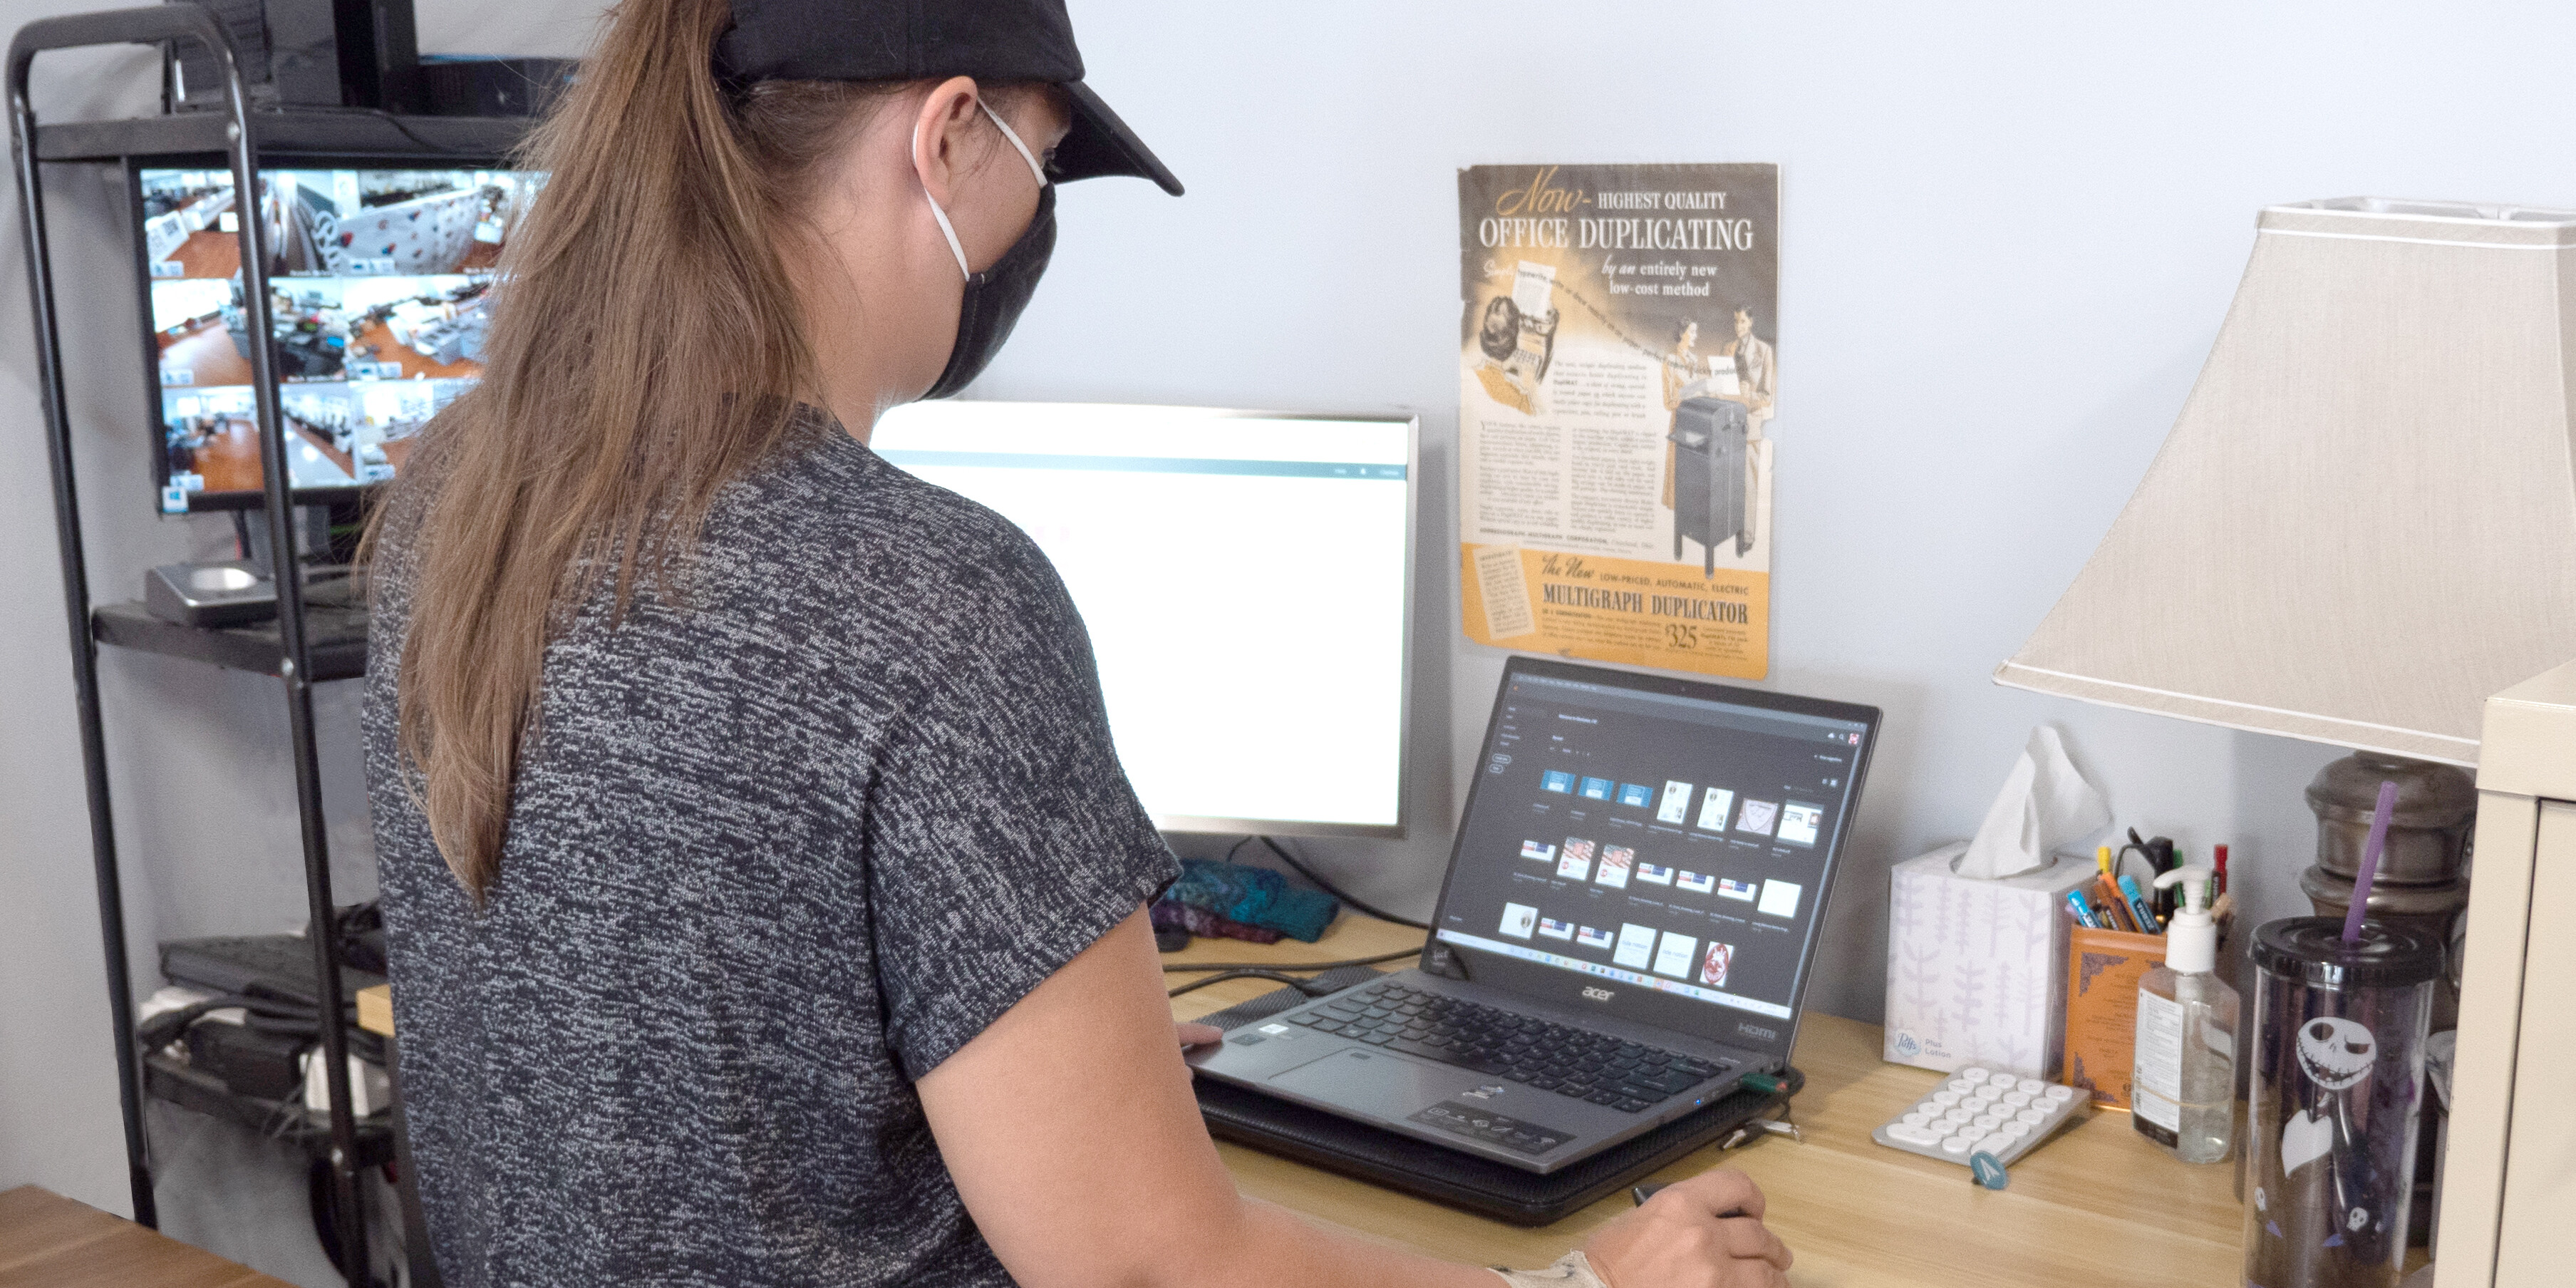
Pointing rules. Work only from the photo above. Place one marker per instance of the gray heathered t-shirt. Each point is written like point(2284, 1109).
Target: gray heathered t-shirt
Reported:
point(774, 855)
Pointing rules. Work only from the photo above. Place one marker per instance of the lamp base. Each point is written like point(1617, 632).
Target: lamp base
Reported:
point(2428, 830)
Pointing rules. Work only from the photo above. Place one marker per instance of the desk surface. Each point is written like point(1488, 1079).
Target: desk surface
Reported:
point(2098, 1206)
point(49, 1240)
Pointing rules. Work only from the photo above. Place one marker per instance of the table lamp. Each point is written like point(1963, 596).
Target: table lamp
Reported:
point(2362, 525)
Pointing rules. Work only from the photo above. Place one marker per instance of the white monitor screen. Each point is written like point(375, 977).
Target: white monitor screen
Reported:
point(1246, 580)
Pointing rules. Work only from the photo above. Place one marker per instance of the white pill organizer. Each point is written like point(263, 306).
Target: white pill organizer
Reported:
point(1985, 1111)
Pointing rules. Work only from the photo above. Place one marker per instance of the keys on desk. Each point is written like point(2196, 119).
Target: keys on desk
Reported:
point(1982, 1111)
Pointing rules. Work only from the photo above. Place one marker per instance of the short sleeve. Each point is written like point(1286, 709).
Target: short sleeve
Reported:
point(1003, 835)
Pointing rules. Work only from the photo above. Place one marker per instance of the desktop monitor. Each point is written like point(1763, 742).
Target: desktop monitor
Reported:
point(378, 280)
point(1246, 579)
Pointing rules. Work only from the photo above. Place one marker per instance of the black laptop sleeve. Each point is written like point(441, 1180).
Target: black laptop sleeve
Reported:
point(1448, 1176)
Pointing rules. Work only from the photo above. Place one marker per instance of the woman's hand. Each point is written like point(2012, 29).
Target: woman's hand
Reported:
point(1688, 1236)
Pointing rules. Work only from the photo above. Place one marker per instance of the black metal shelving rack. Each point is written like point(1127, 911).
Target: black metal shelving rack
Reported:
point(306, 644)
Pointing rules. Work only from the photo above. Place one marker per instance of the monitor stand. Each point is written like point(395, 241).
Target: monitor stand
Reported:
point(250, 528)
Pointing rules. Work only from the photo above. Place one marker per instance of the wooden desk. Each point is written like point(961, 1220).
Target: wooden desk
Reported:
point(2098, 1206)
point(50, 1241)
point(376, 1010)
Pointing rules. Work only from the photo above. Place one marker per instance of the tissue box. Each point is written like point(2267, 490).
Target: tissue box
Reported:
point(1976, 969)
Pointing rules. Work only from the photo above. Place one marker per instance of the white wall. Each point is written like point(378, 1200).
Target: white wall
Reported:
point(2010, 232)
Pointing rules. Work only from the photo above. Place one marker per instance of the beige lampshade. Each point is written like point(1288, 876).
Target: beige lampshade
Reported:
point(2364, 521)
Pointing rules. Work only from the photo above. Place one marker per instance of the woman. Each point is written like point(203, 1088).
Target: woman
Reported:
point(764, 899)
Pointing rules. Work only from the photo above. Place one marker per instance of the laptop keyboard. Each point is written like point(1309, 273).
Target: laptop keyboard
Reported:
point(1576, 1063)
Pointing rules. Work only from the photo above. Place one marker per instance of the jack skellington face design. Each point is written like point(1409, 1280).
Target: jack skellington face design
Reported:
point(2335, 1053)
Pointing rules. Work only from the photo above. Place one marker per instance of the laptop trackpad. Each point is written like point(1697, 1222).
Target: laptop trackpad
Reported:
point(1403, 1091)
point(1372, 1082)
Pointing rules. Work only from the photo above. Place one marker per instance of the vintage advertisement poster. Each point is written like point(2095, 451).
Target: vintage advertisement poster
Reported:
point(1617, 371)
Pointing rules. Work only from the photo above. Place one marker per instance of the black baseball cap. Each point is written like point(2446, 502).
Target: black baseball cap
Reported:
point(990, 40)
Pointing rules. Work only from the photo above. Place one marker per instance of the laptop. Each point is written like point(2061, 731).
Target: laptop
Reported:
point(1628, 922)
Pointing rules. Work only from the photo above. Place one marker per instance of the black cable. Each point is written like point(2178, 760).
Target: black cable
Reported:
point(1305, 986)
point(1185, 967)
point(395, 121)
point(1327, 886)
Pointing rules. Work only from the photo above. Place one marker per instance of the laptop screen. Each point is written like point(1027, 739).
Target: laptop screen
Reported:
point(1658, 846)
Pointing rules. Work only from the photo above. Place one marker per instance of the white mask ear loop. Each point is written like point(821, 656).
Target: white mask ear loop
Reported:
point(945, 229)
point(1035, 169)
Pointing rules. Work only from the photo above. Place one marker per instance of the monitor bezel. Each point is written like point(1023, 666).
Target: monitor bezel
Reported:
point(1412, 422)
point(220, 502)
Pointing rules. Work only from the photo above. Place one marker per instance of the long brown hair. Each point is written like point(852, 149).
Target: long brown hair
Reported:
point(646, 347)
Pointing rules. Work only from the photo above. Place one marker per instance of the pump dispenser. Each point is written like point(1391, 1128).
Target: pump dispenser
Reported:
point(2184, 1079)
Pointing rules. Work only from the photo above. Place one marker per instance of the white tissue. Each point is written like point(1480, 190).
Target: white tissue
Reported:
point(2045, 804)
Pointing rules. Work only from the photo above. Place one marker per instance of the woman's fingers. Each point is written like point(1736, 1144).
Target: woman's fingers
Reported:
point(1720, 1191)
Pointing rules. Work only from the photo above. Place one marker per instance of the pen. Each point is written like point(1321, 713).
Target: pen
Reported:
point(2138, 906)
point(1641, 1193)
point(2218, 886)
point(2102, 860)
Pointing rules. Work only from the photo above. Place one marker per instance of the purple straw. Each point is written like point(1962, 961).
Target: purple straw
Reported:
point(2370, 861)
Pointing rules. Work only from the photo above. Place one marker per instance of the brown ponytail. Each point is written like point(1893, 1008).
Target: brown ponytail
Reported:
point(645, 349)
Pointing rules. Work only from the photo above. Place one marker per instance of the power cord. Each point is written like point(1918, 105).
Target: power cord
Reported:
point(395, 121)
point(1279, 971)
point(1305, 986)
point(1321, 884)
point(1183, 968)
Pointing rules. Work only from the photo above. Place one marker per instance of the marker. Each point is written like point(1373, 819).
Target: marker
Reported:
point(2102, 860)
point(2082, 910)
point(2138, 906)
point(2218, 886)
point(2162, 898)
point(2113, 908)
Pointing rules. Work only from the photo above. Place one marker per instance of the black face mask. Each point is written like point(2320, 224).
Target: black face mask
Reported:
point(996, 297)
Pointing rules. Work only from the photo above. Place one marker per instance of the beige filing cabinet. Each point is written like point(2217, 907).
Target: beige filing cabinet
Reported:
point(2509, 1188)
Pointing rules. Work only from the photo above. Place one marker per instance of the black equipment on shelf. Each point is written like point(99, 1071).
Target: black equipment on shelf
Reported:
point(305, 53)
point(302, 634)
point(1710, 498)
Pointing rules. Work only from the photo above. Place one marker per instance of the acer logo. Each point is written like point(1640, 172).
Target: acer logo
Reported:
point(1596, 994)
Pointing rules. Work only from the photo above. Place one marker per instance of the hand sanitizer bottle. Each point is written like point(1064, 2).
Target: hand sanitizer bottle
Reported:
point(2183, 1086)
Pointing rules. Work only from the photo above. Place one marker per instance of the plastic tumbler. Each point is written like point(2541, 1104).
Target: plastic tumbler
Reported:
point(2337, 1083)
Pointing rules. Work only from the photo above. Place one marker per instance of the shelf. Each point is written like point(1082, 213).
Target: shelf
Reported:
point(337, 637)
point(168, 1079)
point(475, 140)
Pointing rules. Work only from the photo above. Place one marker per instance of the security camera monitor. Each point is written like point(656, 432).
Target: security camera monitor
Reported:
point(379, 282)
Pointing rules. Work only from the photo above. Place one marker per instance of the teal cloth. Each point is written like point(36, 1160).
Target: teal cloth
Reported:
point(1255, 897)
